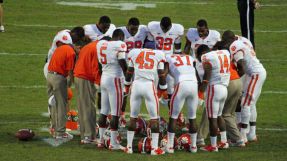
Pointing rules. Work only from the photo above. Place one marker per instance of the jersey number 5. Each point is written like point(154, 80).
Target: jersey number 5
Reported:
point(145, 57)
point(104, 60)
point(223, 64)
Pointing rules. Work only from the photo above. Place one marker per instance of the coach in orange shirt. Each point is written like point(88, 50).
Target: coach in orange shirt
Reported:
point(234, 91)
point(87, 80)
point(59, 71)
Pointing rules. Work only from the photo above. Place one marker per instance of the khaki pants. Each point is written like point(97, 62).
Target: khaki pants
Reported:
point(234, 90)
point(57, 86)
point(86, 96)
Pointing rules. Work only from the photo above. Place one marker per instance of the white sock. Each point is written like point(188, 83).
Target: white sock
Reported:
point(170, 139)
point(130, 136)
point(193, 139)
point(154, 137)
point(114, 137)
point(213, 141)
point(101, 131)
point(243, 133)
point(223, 137)
point(238, 117)
point(252, 130)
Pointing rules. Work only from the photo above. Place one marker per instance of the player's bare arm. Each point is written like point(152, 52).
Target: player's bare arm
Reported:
point(187, 48)
point(241, 67)
point(166, 69)
point(206, 77)
point(129, 74)
point(123, 65)
point(100, 68)
point(177, 48)
point(197, 76)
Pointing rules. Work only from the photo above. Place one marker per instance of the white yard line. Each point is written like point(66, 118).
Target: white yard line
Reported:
point(21, 54)
point(18, 122)
point(271, 129)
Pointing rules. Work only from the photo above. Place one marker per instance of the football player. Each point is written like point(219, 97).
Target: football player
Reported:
point(135, 36)
point(195, 37)
point(96, 32)
point(214, 85)
point(182, 69)
point(242, 78)
point(111, 56)
point(247, 63)
point(146, 63)
point(165, 35)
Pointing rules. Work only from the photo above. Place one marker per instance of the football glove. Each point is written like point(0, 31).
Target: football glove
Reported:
point(164, 102)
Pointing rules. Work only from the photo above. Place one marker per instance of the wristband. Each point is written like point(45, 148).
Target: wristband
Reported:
point(163, 87)
point(205, 81)
point(177, 50)
point(128, 83)
point(200, 95)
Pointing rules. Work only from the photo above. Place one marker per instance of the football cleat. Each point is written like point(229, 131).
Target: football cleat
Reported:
point(122, 122)
point(239, 143)
point(186, 128)
point(145, 145)
point(246, 140)
point(2, 29)
point(107, 138)
point(116, 147)
point(157, 151)
point(252, 138)
point(129, 150)
point(209, 148)
point(200, 142)
point(87, 140)
point(223, 145)
point(67, 136)
point(168, 150)
point(101, 145)
point(193, 149)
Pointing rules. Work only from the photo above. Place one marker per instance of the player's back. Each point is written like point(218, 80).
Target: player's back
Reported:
point(244, 40)
point(181, 68)
point(252, 64)
point(63, 37)
point(220, 63)
point(145, 62)
point(165, 41)
point(92, 31)
point(108, 56)
point(193, 37)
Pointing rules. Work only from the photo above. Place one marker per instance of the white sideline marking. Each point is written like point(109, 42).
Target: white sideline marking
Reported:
point(171, 2)
point(73, 132)
point(271, 129)
point(46, 114)
point(275, 92)
point(53, 142)
point(21, 54)
point(17, 122)
point(120, 6)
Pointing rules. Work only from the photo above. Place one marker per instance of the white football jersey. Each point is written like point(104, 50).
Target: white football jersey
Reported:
point(195, 40)
point(244, 39)
point(165, 41)
point(136, 41)
point(181, 68)
point(108, 56)
point(252, 64)
point(145, 62)
point(220, 63)
point(93, 32)
point(63, 37)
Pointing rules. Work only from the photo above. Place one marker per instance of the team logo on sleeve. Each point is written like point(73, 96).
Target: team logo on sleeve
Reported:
point(203, 58)
point(233, 48)
point(65, 37)
point(123, 46)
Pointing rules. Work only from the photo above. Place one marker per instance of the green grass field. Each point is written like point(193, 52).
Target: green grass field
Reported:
point(31, 25)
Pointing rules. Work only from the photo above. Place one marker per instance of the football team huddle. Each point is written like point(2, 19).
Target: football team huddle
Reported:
point(146, 62)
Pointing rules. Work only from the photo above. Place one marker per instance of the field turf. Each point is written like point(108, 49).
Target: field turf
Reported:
point(31, 25)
